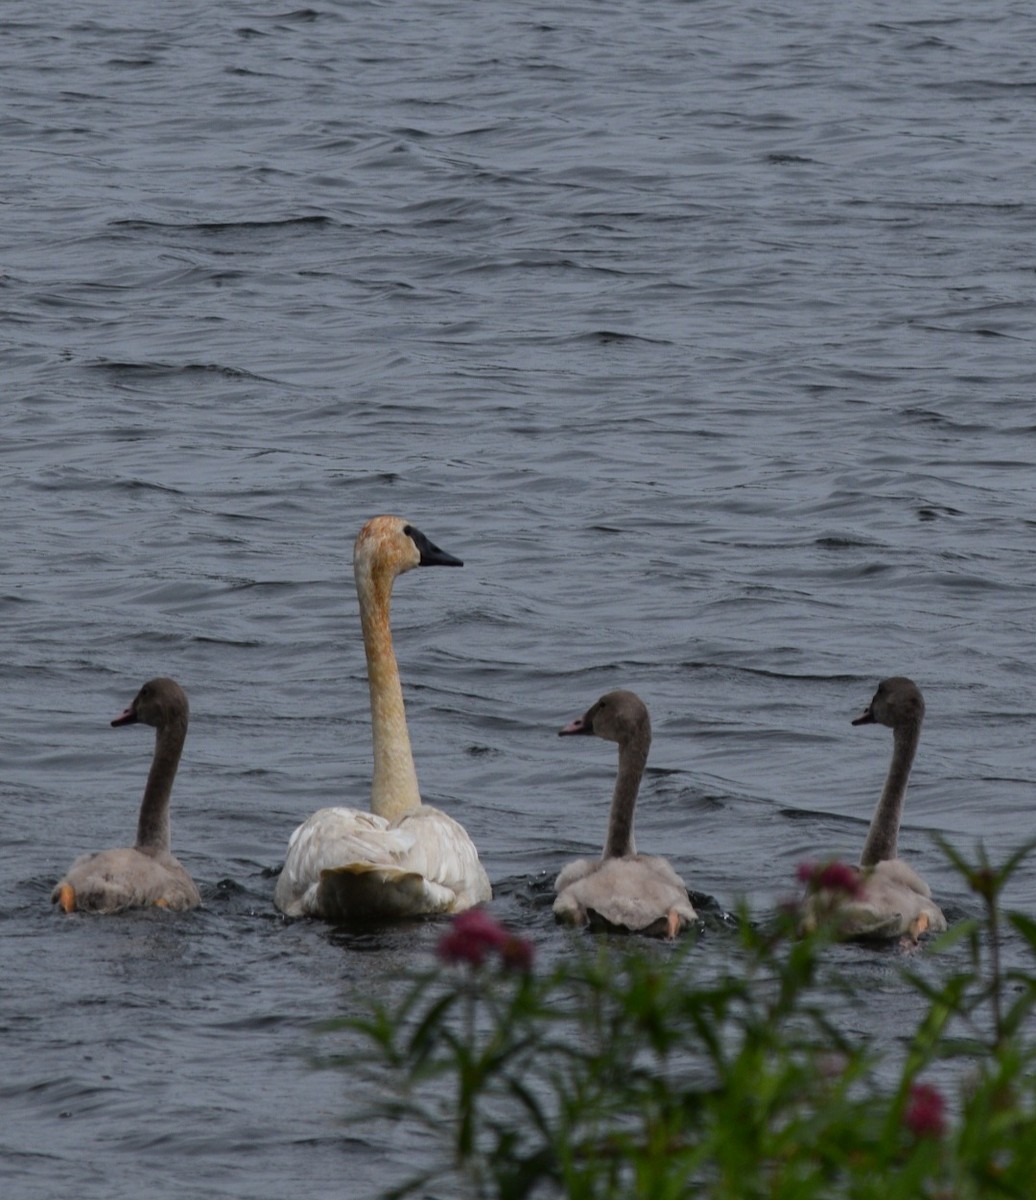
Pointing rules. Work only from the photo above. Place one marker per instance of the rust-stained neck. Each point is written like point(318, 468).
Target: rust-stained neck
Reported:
point(382, 552)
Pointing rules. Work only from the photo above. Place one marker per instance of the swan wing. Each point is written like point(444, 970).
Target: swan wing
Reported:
point(639, 894)
point(894, 875)
point(573, 871)
point(344, 864)
point(894, 902)
point(662, 870)
point(112, 880)
point(445, 857)
point(327, 839)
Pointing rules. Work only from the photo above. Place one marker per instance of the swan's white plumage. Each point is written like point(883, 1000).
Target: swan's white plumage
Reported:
point(346, 864)
point(403, 858)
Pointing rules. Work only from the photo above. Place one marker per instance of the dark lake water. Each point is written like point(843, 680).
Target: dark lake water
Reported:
point(703, 333)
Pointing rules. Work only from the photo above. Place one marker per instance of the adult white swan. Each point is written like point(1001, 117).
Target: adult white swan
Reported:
point(402, 858)
point(622, 889)
point(146, 873)
point(891, 900)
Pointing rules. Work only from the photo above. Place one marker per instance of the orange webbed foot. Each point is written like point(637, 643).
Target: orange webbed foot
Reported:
point(914, 930)
point(918, 926)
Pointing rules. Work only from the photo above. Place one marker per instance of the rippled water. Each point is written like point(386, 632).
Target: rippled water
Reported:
point(703, 333)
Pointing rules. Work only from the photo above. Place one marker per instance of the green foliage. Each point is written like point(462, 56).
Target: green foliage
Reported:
point(625, 1071)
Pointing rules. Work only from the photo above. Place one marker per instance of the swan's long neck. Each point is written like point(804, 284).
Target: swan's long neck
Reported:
point(883, 836)
point(394, 791)
point(153, 822)
point(632, 760)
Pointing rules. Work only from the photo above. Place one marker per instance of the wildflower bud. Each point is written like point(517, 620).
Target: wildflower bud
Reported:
point(830, 877)
point(472, 935)
point(925, 1112)
point(838, 877)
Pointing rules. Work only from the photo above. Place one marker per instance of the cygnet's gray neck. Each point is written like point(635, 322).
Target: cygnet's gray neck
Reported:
point(883, 836)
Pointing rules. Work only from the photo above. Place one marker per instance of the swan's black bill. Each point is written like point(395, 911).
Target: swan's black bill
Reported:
point(129, 717)
point(866, 717)
point(431, 555)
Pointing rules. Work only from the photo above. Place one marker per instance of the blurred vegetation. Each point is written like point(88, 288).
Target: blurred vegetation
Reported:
point(620, 1073)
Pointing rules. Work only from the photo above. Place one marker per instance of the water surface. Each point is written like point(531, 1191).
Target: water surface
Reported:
point(703, 335)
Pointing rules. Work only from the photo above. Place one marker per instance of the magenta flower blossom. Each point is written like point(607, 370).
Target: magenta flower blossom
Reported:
point(925, 1112)
point(830, 877)
point(474, 935)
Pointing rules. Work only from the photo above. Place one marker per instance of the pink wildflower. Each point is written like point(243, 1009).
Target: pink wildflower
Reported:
point(471, 937)
point(925, 1113)
point(830, 877)
point(837, 877)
